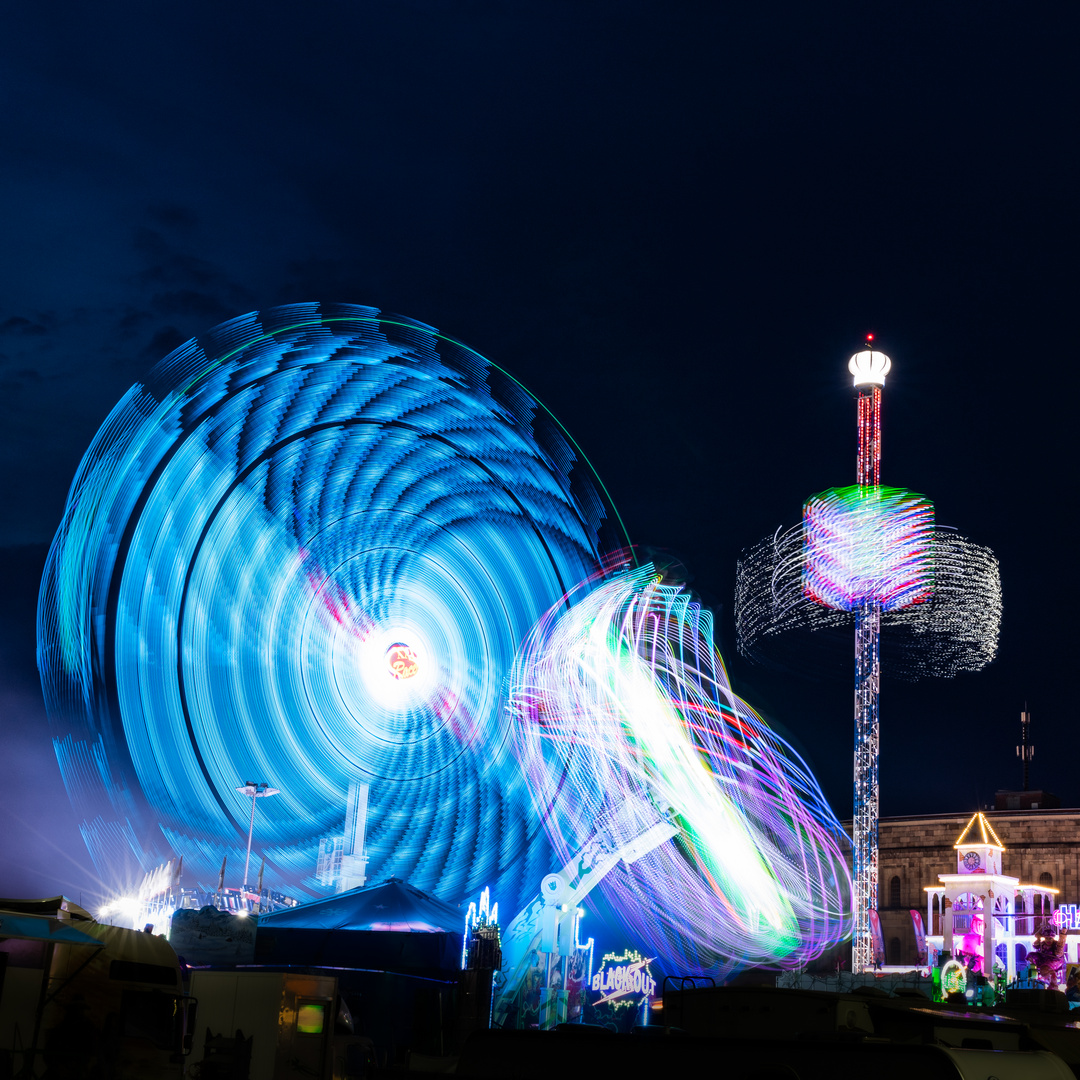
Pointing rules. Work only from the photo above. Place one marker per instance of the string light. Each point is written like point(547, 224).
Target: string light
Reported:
point(955, 629)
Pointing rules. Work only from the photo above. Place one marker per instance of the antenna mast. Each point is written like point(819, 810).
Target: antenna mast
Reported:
point(1025, 751)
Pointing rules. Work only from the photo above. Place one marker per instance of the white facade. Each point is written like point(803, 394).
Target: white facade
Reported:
point(980, 907)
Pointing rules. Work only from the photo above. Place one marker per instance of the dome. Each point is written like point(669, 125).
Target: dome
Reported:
point(869, 368)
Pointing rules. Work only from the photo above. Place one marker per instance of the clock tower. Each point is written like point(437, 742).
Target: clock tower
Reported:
point(978, 848)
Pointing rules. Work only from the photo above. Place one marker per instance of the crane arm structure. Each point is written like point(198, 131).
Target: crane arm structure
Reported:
point(549, 922)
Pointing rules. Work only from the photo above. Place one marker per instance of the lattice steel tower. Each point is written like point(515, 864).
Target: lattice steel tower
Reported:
point(869, 369)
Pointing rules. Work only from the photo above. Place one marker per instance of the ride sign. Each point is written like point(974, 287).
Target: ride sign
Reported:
point(622, 976)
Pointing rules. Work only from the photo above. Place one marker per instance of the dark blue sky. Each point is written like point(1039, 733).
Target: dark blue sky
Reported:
point(673, 222)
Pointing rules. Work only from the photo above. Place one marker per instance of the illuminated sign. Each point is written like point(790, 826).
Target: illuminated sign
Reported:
point(311, 1018)
point(402, 660)
point(1067, 917)
point(953, 977)
point(622, 975)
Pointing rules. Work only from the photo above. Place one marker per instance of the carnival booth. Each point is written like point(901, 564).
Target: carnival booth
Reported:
point(983, 913)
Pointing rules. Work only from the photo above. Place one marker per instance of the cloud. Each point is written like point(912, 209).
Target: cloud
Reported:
point(173, 215)
point(17, 324)
point(62, 370)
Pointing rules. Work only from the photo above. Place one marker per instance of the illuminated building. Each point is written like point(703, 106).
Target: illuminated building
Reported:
point(1042, 847)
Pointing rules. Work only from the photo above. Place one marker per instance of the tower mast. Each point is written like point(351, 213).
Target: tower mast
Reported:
point(1025, 751)
point(869, 369)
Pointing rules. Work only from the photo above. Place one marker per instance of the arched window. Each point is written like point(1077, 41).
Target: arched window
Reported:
point(894, 948)
point(1046, 878)
point(1024, 925)
point(894, 892)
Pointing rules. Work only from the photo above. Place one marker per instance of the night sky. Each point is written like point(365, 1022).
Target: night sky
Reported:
point(674, 222)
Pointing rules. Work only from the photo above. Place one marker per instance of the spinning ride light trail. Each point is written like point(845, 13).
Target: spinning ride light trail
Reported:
point(955, 629)
point(872, 556)
point(715, 843)
point(867, 545)
point(307, 549)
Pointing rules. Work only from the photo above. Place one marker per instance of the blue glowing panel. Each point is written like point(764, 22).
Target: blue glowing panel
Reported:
point(305, 551)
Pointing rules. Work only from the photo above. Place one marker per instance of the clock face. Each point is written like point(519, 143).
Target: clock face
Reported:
point(972, 860)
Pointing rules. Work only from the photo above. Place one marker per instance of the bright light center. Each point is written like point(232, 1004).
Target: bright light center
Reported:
point(396, 667)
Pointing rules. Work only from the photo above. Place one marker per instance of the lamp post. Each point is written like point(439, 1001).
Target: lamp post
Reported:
point(253, 790)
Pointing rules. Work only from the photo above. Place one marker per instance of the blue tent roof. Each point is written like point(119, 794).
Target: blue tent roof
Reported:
point(392, 905)
point(41, 928)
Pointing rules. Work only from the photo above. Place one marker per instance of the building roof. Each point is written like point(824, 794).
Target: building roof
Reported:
point(979, 831)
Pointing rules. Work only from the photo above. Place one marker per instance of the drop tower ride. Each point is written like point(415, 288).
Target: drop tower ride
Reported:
point(871, 557)
point(869, 369)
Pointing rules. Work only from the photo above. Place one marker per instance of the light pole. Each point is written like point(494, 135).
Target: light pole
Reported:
point(254, 791)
